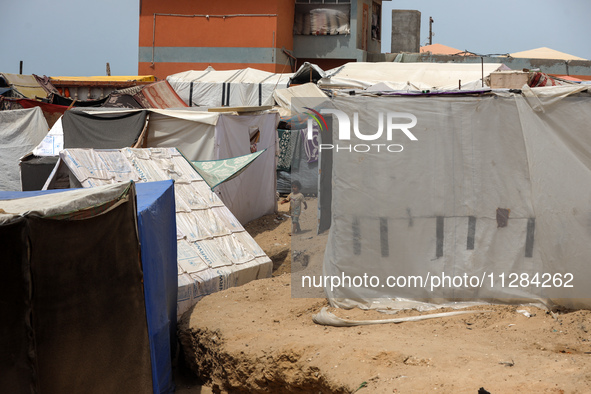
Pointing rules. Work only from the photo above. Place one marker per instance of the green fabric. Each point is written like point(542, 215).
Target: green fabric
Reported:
point(215, 172)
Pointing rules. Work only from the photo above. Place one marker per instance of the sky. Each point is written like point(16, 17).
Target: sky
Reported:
point(78, 37)
point(500, 26)
point(69, 37)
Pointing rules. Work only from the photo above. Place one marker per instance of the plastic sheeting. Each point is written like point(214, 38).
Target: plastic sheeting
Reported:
point(53, 142)
point(193, 133)
point(83, 328)
point(157, 233)
point(492, 187)
point(251, 194)
point(21, 131)
point(214, 252)
point(216, 172)
point(27, 85)
point(422, 75)
point(284, 97)
point(51, 112)
point(159, 95)
point(208, 136)
point(102, 130)
point(232, 88)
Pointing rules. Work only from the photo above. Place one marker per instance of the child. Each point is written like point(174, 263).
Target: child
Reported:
point(295, 199)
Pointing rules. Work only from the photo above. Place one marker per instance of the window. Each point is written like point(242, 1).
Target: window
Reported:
point(322, 17)
point(376, 21)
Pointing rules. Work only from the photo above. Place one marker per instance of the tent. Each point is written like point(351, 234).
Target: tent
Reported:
point(545, 53)
point(96, 87)
point(426, 76)
point(84, 327)
point(107, 130)
point(440, 49)
point(214, 250)
point(156, 226)
point(27, 85)
point(231, 88)
point(21, 131)
point(495, 187)
point(199, 136)
point(52, 112)
point(157, 233)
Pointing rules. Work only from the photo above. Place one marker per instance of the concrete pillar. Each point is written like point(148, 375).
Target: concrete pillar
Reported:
point(406, 31)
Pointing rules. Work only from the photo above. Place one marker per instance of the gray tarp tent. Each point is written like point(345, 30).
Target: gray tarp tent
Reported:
point(21, 130)
point(496, 187)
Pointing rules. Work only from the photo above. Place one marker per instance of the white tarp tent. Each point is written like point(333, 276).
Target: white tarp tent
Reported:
point(21, 130)
point(214, 250)
point(231, 88)
point(425, 76)
point(212, 136)
point(497, 188)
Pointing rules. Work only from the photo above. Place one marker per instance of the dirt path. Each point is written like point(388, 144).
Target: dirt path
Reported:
point(259, 339)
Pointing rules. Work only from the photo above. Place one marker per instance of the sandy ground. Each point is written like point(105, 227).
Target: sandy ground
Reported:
point(259, 339)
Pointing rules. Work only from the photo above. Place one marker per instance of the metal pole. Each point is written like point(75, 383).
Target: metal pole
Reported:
point(431, 30)
point(482, 70)
point(21, 67)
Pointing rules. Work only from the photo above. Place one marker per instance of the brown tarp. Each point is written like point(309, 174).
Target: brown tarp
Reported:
point(88, 331)
point(16, 369)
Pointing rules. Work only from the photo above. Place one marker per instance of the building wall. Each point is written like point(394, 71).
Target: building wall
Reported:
point(341, 49)
point(365, 41)
point(188, 40)
point(406, 31)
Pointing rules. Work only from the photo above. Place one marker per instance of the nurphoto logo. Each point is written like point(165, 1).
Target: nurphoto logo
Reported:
point(344, 132)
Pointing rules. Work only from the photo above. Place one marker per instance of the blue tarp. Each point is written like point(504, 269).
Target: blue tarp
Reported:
point(157, 232)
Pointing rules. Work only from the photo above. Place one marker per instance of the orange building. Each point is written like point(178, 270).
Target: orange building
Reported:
point(181, 35)
point(269, 35)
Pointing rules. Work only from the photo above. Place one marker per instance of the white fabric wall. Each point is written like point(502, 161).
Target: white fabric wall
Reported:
point(252, 194)
point(473, 155)
point(21, 130)
point(211, 87)
point(211, 136)
point(193, 133)
point(423, 75)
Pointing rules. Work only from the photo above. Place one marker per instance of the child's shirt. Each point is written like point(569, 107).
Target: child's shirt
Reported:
point(295, 203)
